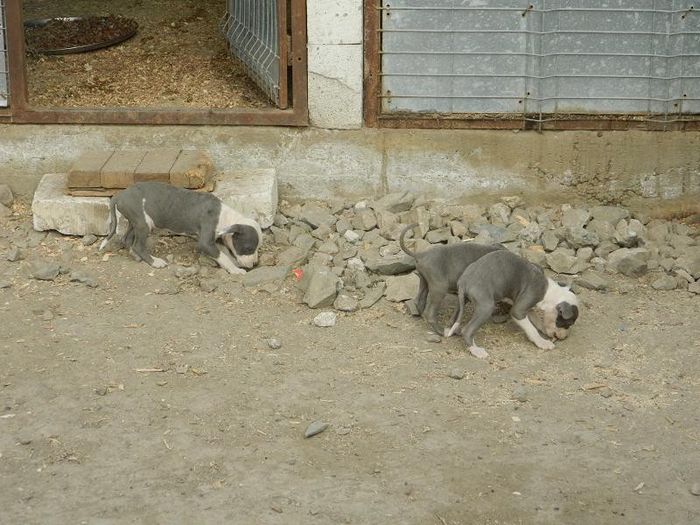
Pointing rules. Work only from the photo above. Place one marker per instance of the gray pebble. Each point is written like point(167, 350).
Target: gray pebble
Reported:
point(14, 254)
point(433, 338)
point(456, 373)
point(89, 239)
point(325, 319)
point(274, 344)
point(44, 271)
point(84, 278)
point(695, 489)
point(520, 393)
point(315, 428)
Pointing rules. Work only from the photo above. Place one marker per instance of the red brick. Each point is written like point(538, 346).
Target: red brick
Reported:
point(119, 170)
point(86, 171)
point(156, 165)
point(192, 169)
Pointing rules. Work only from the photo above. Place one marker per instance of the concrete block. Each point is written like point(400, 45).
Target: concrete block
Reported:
point(119, 170)
point(86, 170)
point(192, 169)
point(251, 192)
point(52, 209)
point(335, 93)
point(156, 165)
point(334, 21)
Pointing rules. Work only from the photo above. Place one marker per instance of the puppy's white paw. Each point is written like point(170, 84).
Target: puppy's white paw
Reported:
point(159, 263)
point(449, 332)
point(234, 270)
point(545, 345)
point(479, 352)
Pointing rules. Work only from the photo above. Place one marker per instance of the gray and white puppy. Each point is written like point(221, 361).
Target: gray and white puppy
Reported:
point(439, 269)
point(504, 276)
point(148, 205)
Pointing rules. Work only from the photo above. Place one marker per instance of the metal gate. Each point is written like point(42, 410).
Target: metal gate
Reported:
point(541, 60)
point(256, 31)
point(4, 74)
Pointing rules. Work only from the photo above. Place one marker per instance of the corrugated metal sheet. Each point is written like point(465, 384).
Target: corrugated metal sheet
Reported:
point(251, 28)
point(540, 58)
point(4, 76)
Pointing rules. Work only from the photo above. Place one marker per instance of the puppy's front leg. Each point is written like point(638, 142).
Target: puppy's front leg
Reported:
point(532, 333)
point(227, 262)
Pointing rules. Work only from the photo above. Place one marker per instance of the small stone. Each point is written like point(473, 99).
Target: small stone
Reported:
point(274, 344)
point(364, 220)
point(351, 236)
point(208, 285)
point(665, 282)
point(578, 236)
point(438, 236)
point(315, 428)
point(184, 272)
point(520, 393)
point(513, 201)
point(315, 215)
point(631, 262)
point(84, 278)
point(694, 287)
point(345, 303)
point(395, 202)
point(391, 265)
point(43, 270)
point(89, 239)
point(695, 489)
point(531, 233)
point(550, 240)
point(328, 247)
point(458, 229)
point(499, 213)
point(433, 338)
point(14, 254)
point(609, 214)
point(325, 319)
point(265, 274)
point(6, 196)
point(456, 373)
point(322, 289)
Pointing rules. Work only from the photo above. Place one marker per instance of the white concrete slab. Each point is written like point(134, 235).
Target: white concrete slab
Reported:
point(52, 209)
point(251, 192)
point(334, 21)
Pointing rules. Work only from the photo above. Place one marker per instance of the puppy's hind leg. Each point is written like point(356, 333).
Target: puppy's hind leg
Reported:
point(419, 301)
point(140, 250)
point(482, 313)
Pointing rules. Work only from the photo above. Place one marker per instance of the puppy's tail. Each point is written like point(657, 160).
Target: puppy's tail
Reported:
point(401, 241)
point(112, 222)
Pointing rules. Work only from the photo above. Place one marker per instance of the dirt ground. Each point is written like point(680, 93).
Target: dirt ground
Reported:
point(178, 58)
point(605, 429)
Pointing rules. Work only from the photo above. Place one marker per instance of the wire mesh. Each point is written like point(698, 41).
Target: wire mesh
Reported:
point(4, 73)
point(542, 60)
point(251, 29)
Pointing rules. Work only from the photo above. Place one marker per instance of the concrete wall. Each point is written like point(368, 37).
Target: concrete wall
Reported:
point(626, 166)
point(335, 63)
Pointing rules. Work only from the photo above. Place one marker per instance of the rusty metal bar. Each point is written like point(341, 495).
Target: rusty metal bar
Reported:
point(372, 62)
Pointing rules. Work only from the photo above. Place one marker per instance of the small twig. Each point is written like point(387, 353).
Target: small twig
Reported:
point(149, 370)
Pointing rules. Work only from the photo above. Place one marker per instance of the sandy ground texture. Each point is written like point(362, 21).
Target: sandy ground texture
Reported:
point(178, 58)
point(152, 398)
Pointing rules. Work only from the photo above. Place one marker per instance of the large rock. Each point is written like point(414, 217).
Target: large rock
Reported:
point(575, 217)
point(391, 265)
point(52, 209)
point(265, 274)
point(322, 289)
point(631, 262)
point(603, 229)
point(665, 282)
point(251, 192)
point(629, 234)
point(560, 261)
point(395, 202)
point(593, 281)
point(610, 214)
point(402, 287)
point(316, 215)
point(578, 236)
point(689, 261)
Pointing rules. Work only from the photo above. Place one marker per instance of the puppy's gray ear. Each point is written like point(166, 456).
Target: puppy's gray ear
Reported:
point(564, 284)
point(567, 311)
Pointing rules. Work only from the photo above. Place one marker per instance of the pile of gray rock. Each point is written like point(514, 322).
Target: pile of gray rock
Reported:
point(348, 256)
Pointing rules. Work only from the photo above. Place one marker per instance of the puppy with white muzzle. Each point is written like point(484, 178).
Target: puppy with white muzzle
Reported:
point(504, 276)
point(223, 234)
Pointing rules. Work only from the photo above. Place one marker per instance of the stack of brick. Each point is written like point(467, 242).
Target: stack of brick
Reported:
point(104, 173)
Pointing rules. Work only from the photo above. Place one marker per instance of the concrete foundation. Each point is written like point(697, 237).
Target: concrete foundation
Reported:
point(610, 167)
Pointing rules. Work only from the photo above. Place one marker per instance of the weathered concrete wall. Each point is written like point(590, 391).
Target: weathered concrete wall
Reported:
point(613, 167)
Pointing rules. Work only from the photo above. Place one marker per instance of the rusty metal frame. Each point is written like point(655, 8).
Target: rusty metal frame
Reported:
point(20, 110)
point(373, 116)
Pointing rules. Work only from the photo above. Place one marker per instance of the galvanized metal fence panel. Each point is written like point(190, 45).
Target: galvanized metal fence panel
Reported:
point(4, 74)
point(256, 33)
point(541, 60)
